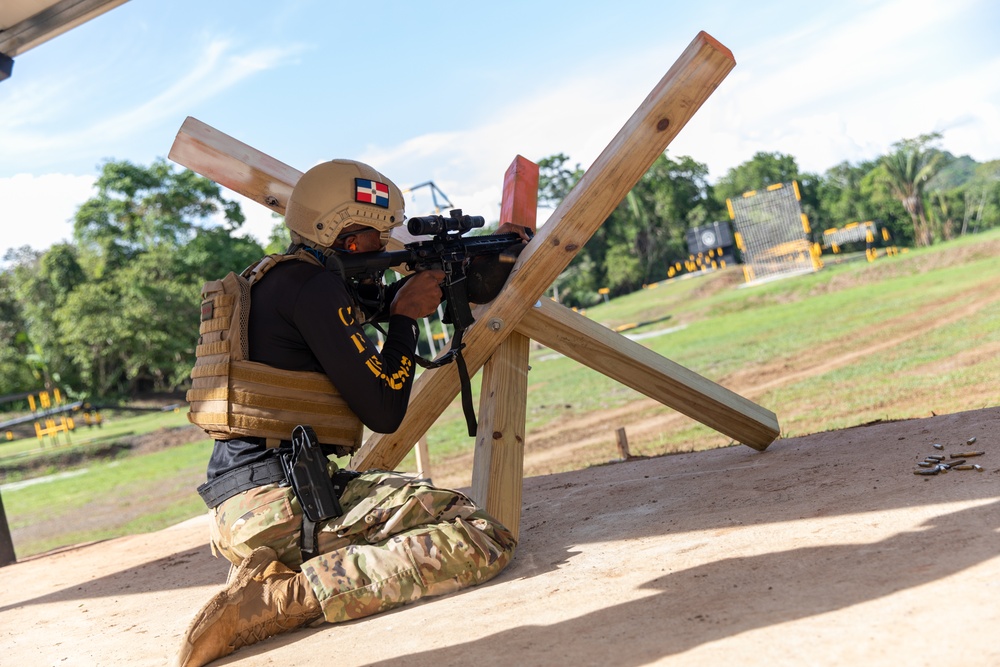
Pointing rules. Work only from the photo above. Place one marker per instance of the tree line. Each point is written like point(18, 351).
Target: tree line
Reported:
point(917, 191)
point(114, 312)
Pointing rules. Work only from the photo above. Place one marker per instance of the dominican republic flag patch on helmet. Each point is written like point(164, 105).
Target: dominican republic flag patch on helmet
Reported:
point(371, 192)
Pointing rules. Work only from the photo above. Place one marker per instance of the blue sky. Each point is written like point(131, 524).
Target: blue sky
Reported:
point(452, 91)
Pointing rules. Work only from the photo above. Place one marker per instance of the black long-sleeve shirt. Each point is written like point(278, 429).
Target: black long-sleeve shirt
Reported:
point(302, 319)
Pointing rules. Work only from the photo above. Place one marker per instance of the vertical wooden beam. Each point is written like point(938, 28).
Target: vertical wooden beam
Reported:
point(498, 465)
point(669, 106)
point(6, 543)
point(520, 194)
point(622, 440)
point(423, 459)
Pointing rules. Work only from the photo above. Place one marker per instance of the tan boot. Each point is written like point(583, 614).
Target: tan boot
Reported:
point(262, 599)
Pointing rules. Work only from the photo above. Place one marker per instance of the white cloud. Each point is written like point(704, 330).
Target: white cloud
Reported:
point(843, 86)
point(831, 91)
point(260, 220)
point(28, 139)
point(38, 211)
point(578, 116)
point(824, 94)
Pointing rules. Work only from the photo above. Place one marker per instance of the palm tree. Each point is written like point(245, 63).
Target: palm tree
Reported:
point(906, 172)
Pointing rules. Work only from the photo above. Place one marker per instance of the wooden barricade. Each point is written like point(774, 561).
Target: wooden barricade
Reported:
point(498, 341)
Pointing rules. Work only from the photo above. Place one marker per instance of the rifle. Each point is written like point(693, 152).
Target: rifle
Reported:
point(475, 269)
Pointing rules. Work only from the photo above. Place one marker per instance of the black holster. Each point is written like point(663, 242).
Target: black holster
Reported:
point(305, 467)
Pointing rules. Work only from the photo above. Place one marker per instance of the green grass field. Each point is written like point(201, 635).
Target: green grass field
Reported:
point(902, 337)
point(114, 427)
point(720, 330)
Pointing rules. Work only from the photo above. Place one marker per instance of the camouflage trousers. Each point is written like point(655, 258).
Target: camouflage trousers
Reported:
point(398, 540)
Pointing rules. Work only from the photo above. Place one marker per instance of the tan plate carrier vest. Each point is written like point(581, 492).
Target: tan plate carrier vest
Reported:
point(231, 396)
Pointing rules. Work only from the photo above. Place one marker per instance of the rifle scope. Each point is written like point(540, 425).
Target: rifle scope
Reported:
point(439, 224)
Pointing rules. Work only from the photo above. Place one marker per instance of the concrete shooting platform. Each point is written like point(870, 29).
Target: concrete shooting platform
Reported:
point(822, 550)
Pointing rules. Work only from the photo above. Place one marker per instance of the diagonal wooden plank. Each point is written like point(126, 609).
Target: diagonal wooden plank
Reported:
point(244, 169)
point(498, 463)
point(646, 371)
point(234, 165)
point(667, 108)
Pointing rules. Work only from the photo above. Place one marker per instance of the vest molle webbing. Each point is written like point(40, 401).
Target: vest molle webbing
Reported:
point(231, 396)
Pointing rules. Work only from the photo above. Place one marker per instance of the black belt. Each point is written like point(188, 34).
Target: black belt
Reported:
point(272, 470)
point(227, 485)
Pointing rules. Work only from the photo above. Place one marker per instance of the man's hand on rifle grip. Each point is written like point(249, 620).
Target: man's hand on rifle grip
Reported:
point(420, 296)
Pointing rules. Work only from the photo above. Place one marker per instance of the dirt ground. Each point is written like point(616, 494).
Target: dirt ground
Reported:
point(577, 440)
point(823, 550)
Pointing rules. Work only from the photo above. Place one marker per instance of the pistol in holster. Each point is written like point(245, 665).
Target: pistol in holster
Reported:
point(306, 469)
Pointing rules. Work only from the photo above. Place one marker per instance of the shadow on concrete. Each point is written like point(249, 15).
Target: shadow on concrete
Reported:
point(775, 588)
point(838, 473)
point(863, 471)
point(194, 567)
point(855, 471)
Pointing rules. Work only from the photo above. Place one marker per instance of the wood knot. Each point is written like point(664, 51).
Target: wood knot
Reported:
point(497, 435)
point(571, 247)
point(663, 124)
point(555, 241)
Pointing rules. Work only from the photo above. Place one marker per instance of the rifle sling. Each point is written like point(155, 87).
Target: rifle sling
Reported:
point(463, 378)
point(455, 354)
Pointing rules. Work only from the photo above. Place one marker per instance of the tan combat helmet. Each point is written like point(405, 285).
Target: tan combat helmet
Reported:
point(337, 194)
